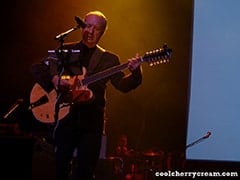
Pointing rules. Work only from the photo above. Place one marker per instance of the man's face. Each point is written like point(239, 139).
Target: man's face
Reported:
point(92, 33)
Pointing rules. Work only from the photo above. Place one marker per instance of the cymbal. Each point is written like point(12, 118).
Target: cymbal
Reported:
point(113, 158)
point(151, 153)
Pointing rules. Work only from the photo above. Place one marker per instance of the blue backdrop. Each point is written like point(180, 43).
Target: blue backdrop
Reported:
point(215, 81)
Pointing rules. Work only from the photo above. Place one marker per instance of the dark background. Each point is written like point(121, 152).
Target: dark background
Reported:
point(154, 116)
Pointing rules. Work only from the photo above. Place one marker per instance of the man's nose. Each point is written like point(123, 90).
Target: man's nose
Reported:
point(90, 29)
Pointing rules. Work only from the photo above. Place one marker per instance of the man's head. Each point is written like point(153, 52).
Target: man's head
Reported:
point(122, 140)
point(96, 24)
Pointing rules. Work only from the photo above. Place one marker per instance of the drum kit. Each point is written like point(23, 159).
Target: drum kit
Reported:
point(138, 165)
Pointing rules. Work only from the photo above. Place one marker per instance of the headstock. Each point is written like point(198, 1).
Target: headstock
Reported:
point(158, 56)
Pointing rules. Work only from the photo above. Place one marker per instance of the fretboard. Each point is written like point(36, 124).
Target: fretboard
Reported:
point(103, 74)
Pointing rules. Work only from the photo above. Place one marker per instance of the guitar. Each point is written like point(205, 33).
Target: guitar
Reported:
point(42, 104)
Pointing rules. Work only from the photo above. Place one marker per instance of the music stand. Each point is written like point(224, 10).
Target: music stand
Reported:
point(66, 59)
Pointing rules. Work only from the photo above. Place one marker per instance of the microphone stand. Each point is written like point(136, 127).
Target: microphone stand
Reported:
point(61, 36)
point(199, 140)
point(13, 108)
point(80, 23)
point(61, 67)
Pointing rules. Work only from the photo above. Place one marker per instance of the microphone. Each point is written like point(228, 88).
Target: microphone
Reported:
point(207, 135)
point(80, 22)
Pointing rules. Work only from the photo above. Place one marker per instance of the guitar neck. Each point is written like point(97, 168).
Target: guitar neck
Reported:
point(151, 57)
point(103, 74)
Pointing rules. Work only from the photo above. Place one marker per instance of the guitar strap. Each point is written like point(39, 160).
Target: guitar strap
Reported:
point(95, 59)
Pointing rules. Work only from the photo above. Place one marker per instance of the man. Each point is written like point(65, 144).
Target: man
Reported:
point(82, 129)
